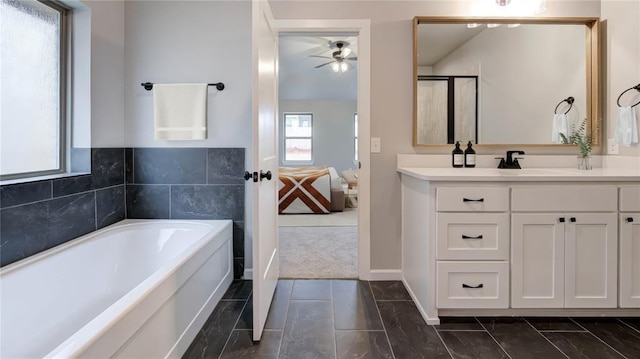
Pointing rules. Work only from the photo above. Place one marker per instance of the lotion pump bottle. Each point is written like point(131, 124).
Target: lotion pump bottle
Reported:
point(457, 156)
point(469, 156)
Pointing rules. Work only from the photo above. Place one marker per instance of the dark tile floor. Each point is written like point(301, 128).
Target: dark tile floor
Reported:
point(335, 319)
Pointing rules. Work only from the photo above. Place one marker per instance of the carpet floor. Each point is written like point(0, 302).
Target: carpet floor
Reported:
point(334, 219)
point(318, 252)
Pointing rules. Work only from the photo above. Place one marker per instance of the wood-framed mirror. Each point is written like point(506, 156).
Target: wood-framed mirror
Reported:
point(504, 81)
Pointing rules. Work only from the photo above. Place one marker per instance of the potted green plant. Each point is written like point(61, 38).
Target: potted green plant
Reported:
point(584, 141)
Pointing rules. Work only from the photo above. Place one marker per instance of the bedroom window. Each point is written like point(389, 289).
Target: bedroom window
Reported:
point(298, 129)
point(32, 125)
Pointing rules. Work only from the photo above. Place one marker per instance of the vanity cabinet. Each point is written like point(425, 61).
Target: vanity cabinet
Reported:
point(629, 224)
point(564, 260)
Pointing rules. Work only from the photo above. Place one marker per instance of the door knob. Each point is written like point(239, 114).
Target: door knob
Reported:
point(265, 175)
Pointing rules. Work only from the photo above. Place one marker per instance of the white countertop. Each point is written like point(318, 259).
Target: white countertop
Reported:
point(521, 175)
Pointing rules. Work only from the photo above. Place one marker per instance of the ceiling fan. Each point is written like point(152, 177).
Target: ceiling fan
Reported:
point(339, 57)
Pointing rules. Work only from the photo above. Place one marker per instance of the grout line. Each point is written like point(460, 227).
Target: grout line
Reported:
point(597, 337)
point(628, 325)
point(124, 185)
point(460, 330)
point(544, 336)
point(359, 330)
point(234, 327)
point(170, 190)
point(95, 208)
point(286, 316)
point(394, 300)
point(443, 342)
point(381, 321)
point(494, 339)
point(64, 196)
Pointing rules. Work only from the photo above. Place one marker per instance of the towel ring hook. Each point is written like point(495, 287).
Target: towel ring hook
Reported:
point(568, 100)
point(636, 87)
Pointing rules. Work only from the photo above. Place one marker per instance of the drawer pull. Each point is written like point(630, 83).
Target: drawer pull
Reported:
point(464, 236)
point(472, 287)
point(629, 219)
point(472, 200)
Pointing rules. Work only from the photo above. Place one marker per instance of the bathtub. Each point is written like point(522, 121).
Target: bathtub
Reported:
point(136, 289)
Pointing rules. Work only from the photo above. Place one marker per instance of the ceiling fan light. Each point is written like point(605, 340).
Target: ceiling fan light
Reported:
point(336, 67)
point(343, 67)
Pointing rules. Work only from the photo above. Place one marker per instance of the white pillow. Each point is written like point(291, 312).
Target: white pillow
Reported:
point(335, 179)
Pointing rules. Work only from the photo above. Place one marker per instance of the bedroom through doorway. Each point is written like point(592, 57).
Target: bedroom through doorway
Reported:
point(318, 156)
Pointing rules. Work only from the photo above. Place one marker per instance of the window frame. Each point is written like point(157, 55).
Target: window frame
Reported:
point(355, 137)
point(64, 80)
point(285, 138)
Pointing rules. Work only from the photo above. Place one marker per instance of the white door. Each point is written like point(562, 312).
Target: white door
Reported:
point(630, 260)
point(537, 260)
point(265, 162)
point(591, 260)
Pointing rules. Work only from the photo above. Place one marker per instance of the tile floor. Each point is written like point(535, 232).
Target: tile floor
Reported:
point(328, 319)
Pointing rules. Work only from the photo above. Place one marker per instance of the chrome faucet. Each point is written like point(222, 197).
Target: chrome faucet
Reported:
point(511, 162)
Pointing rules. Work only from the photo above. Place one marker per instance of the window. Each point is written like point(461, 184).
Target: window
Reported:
point(355, 142)
point(33, 45)
point(298, 137)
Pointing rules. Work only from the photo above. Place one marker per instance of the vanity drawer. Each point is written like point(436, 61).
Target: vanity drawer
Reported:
point(473, 285)
point(565, 198)
point(470, 199)
point(473, 236)
point(630, 199)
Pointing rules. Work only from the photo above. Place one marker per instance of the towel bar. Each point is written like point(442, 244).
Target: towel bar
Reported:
point(149, 85)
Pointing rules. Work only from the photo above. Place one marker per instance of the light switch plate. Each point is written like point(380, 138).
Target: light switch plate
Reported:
point(612, 148)
point(375, 145)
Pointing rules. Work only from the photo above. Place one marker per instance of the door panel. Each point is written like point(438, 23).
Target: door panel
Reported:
point(265, 158)
point(537, 257)
point(630, 260)
point(591, 261)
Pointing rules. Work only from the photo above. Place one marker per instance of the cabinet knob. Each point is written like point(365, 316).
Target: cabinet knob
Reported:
point(472, 287)
point(573, 219)
point(561, 219)
point(629, 219)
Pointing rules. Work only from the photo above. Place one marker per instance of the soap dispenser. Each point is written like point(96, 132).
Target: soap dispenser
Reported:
point(457, 156)
point(469, 156)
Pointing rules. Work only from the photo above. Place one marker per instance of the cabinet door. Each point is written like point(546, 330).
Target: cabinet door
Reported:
point(591, 260)
point(537, 260)
point(630, 260)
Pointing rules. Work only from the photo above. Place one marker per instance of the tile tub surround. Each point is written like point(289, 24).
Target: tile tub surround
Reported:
point(36, 216)
point(358, 319)
point(188, 183)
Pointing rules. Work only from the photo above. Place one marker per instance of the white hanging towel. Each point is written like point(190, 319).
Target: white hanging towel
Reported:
point(560, 126)
point(626, 127)
point(180, 111)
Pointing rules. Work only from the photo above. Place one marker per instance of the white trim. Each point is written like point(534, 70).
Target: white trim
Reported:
point(546, 312)
point(385, 274)
point(363, 30)
point(430, 321)
point(248, 274)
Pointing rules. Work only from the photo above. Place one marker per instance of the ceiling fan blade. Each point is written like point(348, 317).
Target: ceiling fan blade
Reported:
point(321, 57)
point(325, 64)
point(354, 58)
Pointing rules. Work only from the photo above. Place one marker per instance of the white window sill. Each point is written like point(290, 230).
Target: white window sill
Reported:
point(297, 163)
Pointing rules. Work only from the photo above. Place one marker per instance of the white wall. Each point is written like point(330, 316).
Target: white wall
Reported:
point(520, 85)
point(333, 131)
point(392, 90)
point(620, 61)
point(189, 41)
point(107, 73)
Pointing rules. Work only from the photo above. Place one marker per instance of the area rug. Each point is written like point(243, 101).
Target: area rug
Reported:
point(318, 252)
point(334, 219)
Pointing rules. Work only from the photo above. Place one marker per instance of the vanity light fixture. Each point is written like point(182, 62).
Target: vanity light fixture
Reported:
point(503, 2)
point(511, 26)
point(473, 25)
point(491, 26)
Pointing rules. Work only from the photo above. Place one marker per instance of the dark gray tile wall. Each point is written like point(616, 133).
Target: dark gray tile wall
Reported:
point(188, 183)
point(36, 216)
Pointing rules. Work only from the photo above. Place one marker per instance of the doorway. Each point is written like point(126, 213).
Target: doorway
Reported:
point(323, 39)
point(318, 155)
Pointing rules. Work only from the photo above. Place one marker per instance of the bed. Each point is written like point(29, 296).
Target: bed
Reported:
point(309, 189)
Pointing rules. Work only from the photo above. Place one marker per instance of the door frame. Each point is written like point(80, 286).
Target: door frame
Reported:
point(363, 30)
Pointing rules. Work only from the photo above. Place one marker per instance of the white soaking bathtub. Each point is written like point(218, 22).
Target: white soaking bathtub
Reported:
point(135, 289)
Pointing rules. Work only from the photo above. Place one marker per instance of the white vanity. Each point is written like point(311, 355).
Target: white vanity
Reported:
point(538, 241)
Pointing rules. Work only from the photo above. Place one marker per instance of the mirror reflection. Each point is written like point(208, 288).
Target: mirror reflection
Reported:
point(500, 83)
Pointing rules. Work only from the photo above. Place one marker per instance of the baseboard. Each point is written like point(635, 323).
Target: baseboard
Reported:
point(430, 321)
point(375, 274)
point(248, 274)
point(385, 274)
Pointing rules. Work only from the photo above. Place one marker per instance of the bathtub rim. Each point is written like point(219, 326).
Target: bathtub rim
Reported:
point(86, 335)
